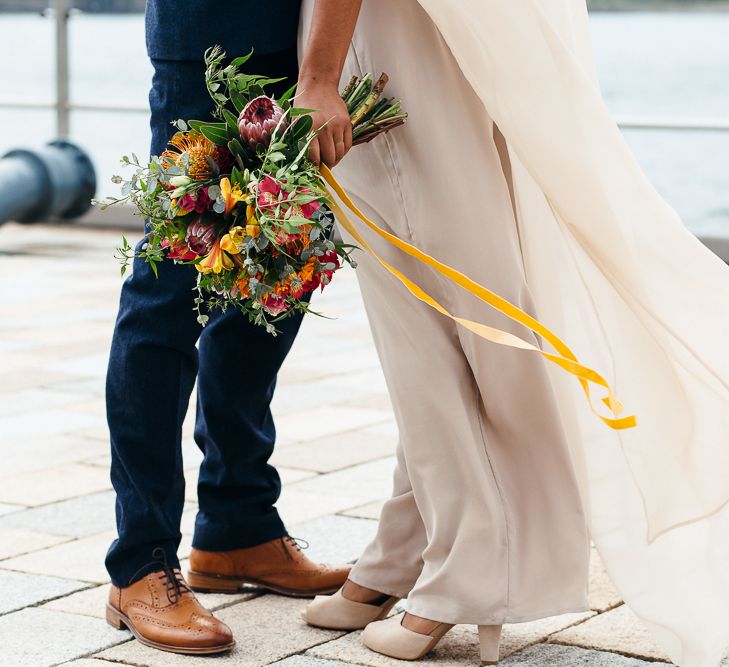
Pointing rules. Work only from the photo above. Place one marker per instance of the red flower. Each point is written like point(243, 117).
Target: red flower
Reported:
point(329, 257)
point(198, 201)
point(275, 304)
point(269, 192)
point(310, 208)
point(179, 250)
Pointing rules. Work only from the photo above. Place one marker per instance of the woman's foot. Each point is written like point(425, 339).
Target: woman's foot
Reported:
point(352, 607)
point(357, 593)
point(411, 637)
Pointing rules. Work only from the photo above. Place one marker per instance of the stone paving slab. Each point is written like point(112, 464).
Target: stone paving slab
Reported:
point(364, 388)
point(335, 539)
point(6, 508)
point(368, 482)
point(617, 630)
point(544, 655)
point(335, 452)
point(80, 559)
point(459, 647)
point(297, 506)
point(602, 593)
point(63, 518)
point(54, 422)
point(41, 638)
point(327, 420)
point(308, 661)
point(53, 484)
point(90, 662)
point(17, 541)
point(29, 401)
point(267, 629)
point(23, 590)
point(368, 511)
point(45, 452)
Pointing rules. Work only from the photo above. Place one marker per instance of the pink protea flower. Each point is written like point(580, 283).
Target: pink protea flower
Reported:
point(258, 120)
point(200, 237)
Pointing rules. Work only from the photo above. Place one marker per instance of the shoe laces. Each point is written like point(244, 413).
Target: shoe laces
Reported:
point(171, 577)
point(296, 542)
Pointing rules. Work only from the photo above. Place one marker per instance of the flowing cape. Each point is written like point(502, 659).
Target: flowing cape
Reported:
point(615, 273)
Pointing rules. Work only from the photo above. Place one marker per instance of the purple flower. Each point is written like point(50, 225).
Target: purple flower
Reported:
point(258, 120)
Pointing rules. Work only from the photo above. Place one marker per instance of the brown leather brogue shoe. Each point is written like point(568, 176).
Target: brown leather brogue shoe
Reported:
point(279, 566)
point(162, 612)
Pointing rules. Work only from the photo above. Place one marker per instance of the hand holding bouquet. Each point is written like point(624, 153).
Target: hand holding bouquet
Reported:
point(240, 200)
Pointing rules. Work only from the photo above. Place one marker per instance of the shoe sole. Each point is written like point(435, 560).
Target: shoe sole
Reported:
point(218, 583)
point(120, 622)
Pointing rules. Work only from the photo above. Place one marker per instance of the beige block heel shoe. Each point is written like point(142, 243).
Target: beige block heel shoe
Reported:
point(391, 638)
point(335, 612)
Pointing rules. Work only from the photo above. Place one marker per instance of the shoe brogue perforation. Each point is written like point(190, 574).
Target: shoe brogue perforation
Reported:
point(162, 612)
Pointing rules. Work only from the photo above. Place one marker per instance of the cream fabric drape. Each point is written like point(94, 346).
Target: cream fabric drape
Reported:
point(616, 274)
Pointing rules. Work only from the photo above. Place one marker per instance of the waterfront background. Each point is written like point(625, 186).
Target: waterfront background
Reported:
point(60, 286)
point(662, 65)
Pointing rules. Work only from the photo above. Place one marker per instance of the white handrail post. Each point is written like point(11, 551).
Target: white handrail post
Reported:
point(62, 11)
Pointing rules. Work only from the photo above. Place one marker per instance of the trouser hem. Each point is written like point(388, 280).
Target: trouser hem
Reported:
point(138, 567)
point(241, 536)
point(493, 619)
point(375, 586)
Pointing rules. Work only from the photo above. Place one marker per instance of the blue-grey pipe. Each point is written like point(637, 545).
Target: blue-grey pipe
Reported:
point(56, 181)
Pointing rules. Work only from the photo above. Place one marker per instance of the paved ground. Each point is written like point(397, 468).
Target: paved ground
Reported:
point(59, 289)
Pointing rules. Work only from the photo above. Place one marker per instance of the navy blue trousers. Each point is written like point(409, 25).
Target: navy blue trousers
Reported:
point(153, 365)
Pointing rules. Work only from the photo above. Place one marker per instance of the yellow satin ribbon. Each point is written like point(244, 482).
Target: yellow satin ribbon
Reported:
point(565, 359)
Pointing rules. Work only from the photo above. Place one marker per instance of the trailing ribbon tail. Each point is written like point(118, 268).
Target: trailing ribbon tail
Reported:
point(565, 358)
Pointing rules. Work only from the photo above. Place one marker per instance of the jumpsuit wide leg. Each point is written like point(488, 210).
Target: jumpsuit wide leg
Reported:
point(485, 524)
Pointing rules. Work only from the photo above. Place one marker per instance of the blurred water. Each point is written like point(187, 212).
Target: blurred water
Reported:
point(650, 65)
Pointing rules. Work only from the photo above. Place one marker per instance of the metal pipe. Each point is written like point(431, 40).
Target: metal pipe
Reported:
point(56, 181)
point(63, 124)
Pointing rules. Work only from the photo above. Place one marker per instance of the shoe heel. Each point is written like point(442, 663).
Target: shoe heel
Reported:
point(113, 619)
point(489, 638)
point(208, 583)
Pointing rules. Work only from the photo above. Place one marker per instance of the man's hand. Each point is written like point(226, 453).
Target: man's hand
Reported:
point(331, 119)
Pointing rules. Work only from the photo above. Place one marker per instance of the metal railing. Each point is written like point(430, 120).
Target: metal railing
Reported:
point(61, 12)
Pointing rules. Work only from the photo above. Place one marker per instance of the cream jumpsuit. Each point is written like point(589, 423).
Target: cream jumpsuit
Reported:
point(485, 524)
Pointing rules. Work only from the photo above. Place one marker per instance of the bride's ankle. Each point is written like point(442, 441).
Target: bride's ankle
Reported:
point(357, 593)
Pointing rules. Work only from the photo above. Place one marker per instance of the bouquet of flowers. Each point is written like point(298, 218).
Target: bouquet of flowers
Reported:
point(240, 200)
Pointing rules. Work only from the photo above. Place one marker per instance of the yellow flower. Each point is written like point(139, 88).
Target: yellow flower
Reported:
point(176, 210)
point(253, 227)
point(232, 241)
point(215, 261)
point(232, 194)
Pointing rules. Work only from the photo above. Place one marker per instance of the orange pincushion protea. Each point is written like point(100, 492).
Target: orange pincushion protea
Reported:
point(198, 150)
